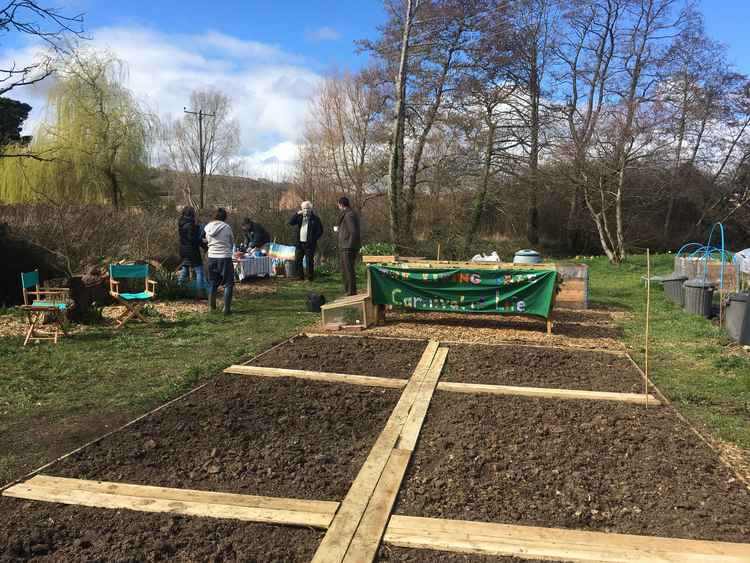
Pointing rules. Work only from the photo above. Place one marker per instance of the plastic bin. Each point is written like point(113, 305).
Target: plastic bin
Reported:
point(699, 296)
point(737, 317)
point(290, 267)
point(673, 290)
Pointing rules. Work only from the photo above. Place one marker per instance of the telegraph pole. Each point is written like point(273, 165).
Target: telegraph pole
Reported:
point(201, 150)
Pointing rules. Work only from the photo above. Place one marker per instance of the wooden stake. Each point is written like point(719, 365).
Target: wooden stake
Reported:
point(438, 252)
point(648, 315)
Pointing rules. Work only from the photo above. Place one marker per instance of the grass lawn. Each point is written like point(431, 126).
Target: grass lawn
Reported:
point(55, 398)
point(692, 361)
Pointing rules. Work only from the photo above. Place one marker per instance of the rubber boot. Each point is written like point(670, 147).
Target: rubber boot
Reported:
point(228, 290)
point(211, 301)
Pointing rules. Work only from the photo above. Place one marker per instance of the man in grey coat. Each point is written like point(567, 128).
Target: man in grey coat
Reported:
point(220, 239)
point(349, 245)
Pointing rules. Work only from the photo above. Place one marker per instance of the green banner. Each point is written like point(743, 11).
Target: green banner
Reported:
point(498, 291)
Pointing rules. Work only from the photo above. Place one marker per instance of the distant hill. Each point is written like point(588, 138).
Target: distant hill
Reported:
point(227, 191)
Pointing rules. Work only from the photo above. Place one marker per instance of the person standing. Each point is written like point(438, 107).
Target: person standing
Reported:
point(349, 244)
point(309, 229)
point(190, 249)
point(220, 239)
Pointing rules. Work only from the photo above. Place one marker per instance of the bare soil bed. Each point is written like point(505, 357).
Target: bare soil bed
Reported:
point(541, 367)
point(356, 356)
point(241, 434)
point(40, 531)
point(572, 464)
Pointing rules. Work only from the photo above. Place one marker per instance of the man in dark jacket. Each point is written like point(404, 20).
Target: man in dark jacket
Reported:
point(308, 229)
point(255, 234)
point(349, 244)
point(190, 245)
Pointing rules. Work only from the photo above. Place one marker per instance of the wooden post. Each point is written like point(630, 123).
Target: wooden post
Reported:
point(648, 315)
point(438, 252)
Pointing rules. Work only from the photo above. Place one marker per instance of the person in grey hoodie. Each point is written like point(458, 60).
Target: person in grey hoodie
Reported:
point(220, 239)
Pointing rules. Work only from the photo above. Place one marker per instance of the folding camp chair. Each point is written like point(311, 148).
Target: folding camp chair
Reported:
point(46, 301)
point(133, 302)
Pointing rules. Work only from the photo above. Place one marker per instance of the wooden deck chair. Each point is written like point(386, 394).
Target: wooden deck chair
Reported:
point(133, 302)
point(38, 303)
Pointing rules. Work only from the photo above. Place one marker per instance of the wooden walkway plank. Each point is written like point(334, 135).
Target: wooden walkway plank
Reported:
point(366, 380)
point(69, 494)
point(410, 433)
point(336, 542)
point(366, 540)
point(550, 543)
point(545, 393)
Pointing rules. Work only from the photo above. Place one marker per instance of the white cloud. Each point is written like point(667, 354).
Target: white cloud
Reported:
point(324, 33)
point(269, 88)
point(275, 163)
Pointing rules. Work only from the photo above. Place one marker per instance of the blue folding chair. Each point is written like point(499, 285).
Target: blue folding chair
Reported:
point(133, 301)
point(38, 303)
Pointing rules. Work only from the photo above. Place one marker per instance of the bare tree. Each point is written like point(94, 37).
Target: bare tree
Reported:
point(205, 143)
point(343, 139)
point(533, 39)
point(48, 24)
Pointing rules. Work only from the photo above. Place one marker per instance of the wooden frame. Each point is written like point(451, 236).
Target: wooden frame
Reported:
point(358, 525)
point(132, 306)
point(363, 302)
point(36, 306)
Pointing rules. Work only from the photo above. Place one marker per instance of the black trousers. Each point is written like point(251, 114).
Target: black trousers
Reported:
point(348, 274)
point(305, 250)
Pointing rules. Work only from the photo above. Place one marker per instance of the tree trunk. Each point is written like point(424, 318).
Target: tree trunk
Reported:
point(396, 162)
point(532, 228)
point(479, 202)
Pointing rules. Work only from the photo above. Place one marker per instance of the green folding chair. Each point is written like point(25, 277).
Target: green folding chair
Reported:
point(38, 303)
point(133, 302)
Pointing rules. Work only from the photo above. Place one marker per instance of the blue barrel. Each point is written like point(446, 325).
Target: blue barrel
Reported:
point(527, 256)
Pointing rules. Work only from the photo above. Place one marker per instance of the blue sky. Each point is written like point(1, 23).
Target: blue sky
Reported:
point(269, 57)
point(727, 21)
point(322, 31)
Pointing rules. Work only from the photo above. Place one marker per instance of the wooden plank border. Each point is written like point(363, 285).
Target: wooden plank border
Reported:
point(367, 380)
point(146, 498)
point(549, 543)
point(547, 393)
point(449, 386)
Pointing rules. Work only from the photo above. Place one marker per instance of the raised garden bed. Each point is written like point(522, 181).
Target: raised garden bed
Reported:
point(53, 532)
point(356, 356)
point(532, 366)
point(586, 465)
point(281, 437)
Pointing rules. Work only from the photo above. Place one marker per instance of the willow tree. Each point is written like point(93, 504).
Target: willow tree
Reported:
point(93, 147)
